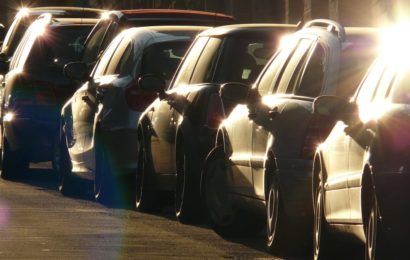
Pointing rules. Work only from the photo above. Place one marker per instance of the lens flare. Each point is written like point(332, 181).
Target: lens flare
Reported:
point(24, 11)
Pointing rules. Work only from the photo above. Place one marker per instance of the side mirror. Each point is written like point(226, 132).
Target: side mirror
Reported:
point(334, 106)
point(76, 71)
point(152, 83)
point(235, 92)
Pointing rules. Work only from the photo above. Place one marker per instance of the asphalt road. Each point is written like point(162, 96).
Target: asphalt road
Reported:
point(37, 222)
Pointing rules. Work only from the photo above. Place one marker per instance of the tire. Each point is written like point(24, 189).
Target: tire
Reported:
point(13, 163)
point(275, 218)
point(146, 197)
point(375, 243)
point(103, 179)
point(63, 167)
point(187, 195)
point(225, 218)
point(321, 239)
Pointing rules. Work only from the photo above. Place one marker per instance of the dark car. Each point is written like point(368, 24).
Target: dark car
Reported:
point(26, 16)
point(177, 131)
point(99, 122)
point(361, 171)
point(114, 22)
point(262, 163)
point(36, 89)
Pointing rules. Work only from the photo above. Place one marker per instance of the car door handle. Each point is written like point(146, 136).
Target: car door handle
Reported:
point(273, 112)
point(85, 98)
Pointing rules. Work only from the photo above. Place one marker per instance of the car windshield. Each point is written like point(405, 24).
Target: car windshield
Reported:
point(58, 46)
point(92, 46)
point(14, 35)
point(163, 58)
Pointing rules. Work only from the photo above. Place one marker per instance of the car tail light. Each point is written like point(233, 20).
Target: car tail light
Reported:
point(215, 112)
point(318, 129)
point(137, 99)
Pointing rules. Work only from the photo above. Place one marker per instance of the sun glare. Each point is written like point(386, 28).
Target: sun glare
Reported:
point(394, 43)
point(23, 12)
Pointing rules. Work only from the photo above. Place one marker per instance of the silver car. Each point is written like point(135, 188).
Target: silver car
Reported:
point(99, 122)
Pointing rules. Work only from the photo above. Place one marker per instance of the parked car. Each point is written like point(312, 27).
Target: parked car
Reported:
point(26, 16)
point(36, 89)
point(99, 122)
point(177, 131)
point(360, 174)
point(262, 161)
point(113, 22)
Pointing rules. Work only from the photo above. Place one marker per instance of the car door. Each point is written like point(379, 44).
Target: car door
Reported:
point(84, 104)
point(360, 139)
point(163, 121)
point(270, 123)
point(104, 98)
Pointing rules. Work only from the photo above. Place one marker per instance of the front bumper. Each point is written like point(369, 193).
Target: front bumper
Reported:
point(295, 180)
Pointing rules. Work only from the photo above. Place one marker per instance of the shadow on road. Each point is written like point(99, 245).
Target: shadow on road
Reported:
point(46, 180)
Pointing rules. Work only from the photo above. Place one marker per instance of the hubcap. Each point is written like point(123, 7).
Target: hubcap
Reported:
point(272, 213)
point(318, 221)
point(371, 234)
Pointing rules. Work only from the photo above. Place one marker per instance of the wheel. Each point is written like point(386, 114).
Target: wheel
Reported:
point(375, 242)
point(146, 199)
point(275, 219)
point(226, 220)
point(321, 239)
point(103, 180)
point(13, 163)
point(63, 167)
point(187, 196)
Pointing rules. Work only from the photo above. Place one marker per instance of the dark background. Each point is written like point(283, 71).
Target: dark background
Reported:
point(348, 12)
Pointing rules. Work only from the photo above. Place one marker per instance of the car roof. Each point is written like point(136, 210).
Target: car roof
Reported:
point(65, 11)
point(240, 29)
point(172, 14)
point(152, 34)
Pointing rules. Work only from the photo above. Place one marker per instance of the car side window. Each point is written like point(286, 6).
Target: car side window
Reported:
point(102, 65)
point(293, 64)
point(203, 71)
point(271, 74)
point(125, 63)
point(186, 69)
point(117, 57)
point(385, 84)
point(311, 81)
point(368, 87)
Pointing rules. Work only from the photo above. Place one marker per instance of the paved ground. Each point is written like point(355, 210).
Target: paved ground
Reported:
point(37, 222)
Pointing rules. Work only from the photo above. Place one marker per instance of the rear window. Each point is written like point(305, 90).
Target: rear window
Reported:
point(401, 88)
point(57, 46)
